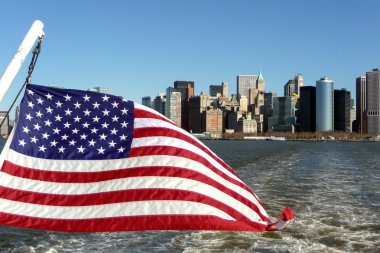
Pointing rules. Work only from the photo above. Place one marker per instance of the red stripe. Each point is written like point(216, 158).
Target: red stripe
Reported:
point(139, 113)
point(132, 223)
point(161, 131)
point(79, 177)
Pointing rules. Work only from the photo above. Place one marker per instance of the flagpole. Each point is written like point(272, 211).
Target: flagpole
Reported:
point(35, 31)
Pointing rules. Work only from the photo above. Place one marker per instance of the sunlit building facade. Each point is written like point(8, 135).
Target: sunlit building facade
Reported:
point(324, 104)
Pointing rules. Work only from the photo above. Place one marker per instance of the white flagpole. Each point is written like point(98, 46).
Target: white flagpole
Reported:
point(35, 31)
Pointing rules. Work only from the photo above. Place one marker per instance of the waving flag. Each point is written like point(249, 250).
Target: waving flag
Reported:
point(86, 162)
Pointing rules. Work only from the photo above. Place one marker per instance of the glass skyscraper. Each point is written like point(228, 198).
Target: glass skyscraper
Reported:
point(324, 105)
point(373, 102)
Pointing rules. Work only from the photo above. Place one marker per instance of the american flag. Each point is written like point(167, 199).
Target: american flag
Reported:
point(82, 161)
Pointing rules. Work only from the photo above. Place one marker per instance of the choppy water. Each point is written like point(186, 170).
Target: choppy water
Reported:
point(332, 187)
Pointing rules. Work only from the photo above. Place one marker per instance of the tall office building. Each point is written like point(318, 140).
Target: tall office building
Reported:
point(147, 101)
point(243, 102)
point(159, 103)
point(289, 88)
point(324, 105)
point(284, 112)
point(197, 105)
point(221, 89)
point(268, 108)
point(361, 113)
point(342, 110)
point(373, 102)
point(298, 81)
point(245, 83)
point(186, 88)
point(260, 82)
point(173, 105)
point(293, 86)
point(307, 111)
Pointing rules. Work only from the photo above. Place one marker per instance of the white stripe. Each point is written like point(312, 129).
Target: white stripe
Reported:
point(155, 207)
point(174, 142)
point(174, 127)
point(133, 162)
point(24, 184)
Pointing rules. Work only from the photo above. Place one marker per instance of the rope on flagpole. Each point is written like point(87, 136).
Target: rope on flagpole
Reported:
point(32, 64)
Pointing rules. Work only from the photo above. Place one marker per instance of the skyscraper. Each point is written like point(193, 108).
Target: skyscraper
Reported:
point(221, 89)
point(324, 104)
point(342, 110)
point(245, 83)
point(243, 104)
point(186, 88)
point(293, 86)
point(173, 105)
point(361, 112)
point(373, 102)
point(197, 105)
point(159, 103)
point(147, 101)
point(289, 88)
point(268, 107)
point(260, 82)
point(298, 81)
point(307, 112)
point(284, 109)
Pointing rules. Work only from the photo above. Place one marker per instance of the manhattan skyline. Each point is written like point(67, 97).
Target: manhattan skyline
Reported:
point(139, 48)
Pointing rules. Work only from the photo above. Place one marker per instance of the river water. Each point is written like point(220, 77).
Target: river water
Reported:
point(332, 187)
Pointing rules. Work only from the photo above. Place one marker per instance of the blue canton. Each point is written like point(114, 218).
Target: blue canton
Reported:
point(68, 124)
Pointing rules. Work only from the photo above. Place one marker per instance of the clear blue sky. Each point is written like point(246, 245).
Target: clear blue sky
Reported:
point(141, 47)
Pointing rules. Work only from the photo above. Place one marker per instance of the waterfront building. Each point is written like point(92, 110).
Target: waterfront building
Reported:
point(4, 130)
point(246, 125)
point(324, 104)
point(307, 111)
point(284, 112)
point(342, 110)
point(147, 101)
point(373, 102)
point(173, 105)
point(232, 119)
point(268, 108)
point(186, 88)
point(212, 120)
point(361, 113)
point(245, 83)
point(197, 105)
point(159, 103)
point(219, 89)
